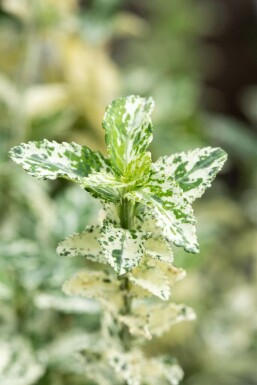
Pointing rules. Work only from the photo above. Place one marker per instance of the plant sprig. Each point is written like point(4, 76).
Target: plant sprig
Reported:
point(147, 209)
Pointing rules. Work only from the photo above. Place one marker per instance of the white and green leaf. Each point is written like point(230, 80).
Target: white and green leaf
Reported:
point(123, 249)
point(161, 371)
point(83, 244)
point(171, 211)
point(51, 160)
point(151, 278)
point(92, 284)
point(159, 248)
point(138, 170)
point(154, 319)
point(126, 365)
point(104, 185)
point(193, 170)
point(128, 129)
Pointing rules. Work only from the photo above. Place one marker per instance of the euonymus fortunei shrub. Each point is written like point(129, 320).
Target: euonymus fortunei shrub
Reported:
point(146, 210)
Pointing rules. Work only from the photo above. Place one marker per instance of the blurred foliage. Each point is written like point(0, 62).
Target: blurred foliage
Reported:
point(61, 63)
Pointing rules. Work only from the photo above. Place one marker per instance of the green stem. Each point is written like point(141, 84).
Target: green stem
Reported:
point(126, 213)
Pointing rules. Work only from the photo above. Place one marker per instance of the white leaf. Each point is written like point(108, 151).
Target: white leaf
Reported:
point(65, 304)
point(92, 284)
point(18, 364)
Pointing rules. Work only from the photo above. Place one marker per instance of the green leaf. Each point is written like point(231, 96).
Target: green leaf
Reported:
point(138, 170)
point(171, 211)
point(128, 130)
point(83, 244)
point(122, 248)
point(193, 170)
point(51, 160)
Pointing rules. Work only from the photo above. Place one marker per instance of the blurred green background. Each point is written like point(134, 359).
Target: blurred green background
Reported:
point(61, 63)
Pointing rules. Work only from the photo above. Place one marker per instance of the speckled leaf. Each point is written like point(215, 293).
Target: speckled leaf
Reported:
point(173, 214)
point(193, 170)
point(122, 248)
point(128, 130)
point(154, 319)
point(157, 247)
point(161, 371)
point(50, 160)
point(151, 278)
point(109, 212)
point(164, 316)
point(83, 244)
point(127, 365)
point(104, 185)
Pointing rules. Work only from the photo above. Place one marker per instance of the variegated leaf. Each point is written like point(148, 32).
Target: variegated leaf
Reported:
point(157, 247)
point(128, 130)
point(83, 244)
point(150, 320)
point(161, 371)
point(172, 273)
point(104, 185)
point(126, 365)
point(193, 170)
point(92, 284)
point(173, 214)
point(138, 170)
point(151, 278)
point(109, 212)
point(98, 371)
point(122, 248)
point(50, 160)
point(164, 316)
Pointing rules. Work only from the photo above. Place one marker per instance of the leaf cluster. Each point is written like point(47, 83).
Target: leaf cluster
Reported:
point(146, 210)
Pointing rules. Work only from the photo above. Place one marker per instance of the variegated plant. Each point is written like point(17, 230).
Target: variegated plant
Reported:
point(146, 210)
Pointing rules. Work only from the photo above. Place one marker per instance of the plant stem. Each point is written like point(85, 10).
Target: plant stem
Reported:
point(126, 213)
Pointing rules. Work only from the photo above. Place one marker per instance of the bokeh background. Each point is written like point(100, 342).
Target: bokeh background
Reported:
point(61, 63)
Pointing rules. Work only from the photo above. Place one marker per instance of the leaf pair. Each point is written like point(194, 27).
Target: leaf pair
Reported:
point(121, 249)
